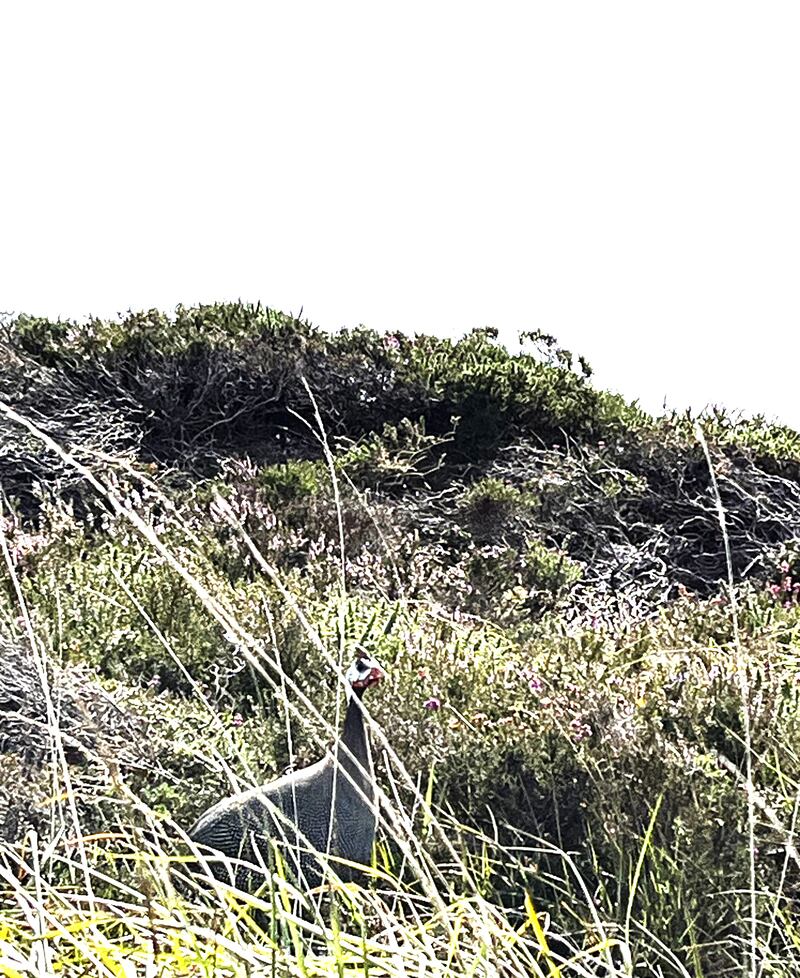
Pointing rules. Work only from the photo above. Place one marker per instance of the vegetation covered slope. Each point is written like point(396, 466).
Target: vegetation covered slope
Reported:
point(589, 618)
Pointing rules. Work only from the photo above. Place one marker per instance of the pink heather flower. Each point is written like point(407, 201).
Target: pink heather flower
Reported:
point(580, 730)
point(536, 685)
point(238, 719)
point(784, 568)
point(432, 704)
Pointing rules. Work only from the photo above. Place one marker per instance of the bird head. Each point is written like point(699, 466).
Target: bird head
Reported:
point(363, 673)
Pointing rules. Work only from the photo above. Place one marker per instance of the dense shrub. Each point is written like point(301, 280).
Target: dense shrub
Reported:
point(230, 377)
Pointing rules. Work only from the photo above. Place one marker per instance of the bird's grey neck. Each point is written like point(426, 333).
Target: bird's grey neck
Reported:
point(354, 737)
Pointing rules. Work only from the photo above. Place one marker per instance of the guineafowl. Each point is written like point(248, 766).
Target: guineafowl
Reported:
point(297, 812)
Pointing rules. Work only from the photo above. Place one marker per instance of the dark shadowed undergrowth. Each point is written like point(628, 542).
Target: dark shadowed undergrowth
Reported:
point(588, 742)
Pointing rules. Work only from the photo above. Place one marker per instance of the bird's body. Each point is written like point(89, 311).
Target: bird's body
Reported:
point(328, 807)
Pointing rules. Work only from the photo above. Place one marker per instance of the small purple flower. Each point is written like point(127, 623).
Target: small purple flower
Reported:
point(432, 704)
point(536, 685)
point(580, 730)
point(238, 719)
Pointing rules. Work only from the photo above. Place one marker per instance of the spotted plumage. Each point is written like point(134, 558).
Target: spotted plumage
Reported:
point(294, 812)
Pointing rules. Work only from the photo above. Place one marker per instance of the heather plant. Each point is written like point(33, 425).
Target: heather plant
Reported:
point(400, 457)
point(291, 482)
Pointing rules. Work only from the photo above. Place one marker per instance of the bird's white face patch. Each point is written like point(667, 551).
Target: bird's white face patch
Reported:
point(364, 672)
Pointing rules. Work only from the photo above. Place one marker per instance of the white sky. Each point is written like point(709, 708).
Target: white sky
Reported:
point(623, 175)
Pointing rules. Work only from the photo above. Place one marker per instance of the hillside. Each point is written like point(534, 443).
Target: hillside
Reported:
point(588, 616)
